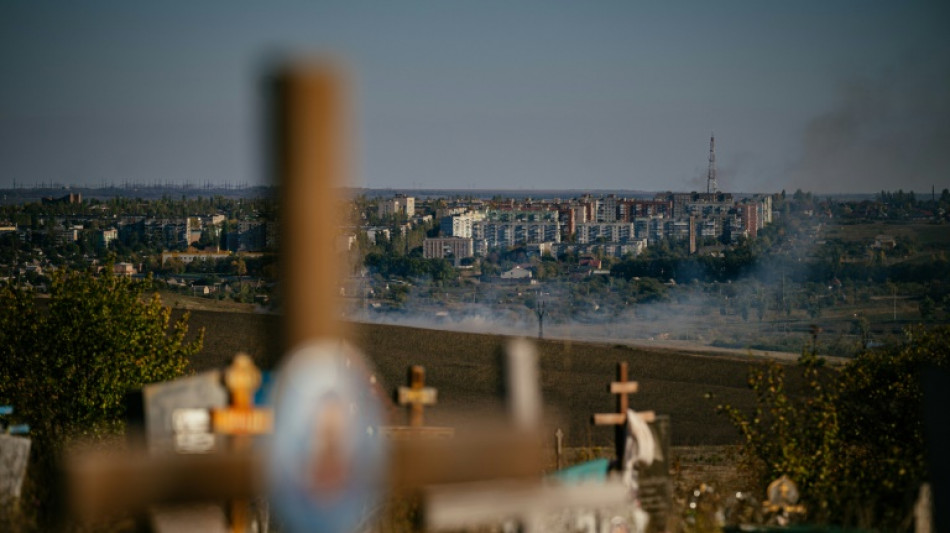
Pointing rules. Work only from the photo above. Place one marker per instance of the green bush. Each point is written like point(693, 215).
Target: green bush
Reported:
point(66, 366)
point(851, 437)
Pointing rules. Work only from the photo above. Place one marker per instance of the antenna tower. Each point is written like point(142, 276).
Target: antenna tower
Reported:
point(711, 187)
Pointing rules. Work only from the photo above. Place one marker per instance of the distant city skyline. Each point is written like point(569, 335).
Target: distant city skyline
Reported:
point(831, 97)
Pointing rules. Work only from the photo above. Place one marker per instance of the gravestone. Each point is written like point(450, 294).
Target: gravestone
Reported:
point(14, 456)
point(178, 413)
point(656, 485)
point(178, 420)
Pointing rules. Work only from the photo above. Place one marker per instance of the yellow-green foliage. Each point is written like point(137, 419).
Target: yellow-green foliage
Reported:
point(853, 438)
point(67, 368)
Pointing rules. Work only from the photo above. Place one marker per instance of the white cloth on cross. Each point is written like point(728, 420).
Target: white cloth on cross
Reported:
point(640, 447)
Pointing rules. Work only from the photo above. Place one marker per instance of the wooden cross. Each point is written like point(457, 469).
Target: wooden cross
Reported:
point(242, 420)
point(416, 396)
point(622, 387)
point(311, 165)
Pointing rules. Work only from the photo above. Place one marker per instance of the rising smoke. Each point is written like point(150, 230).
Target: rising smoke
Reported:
point(886, 132)
point(690, 313)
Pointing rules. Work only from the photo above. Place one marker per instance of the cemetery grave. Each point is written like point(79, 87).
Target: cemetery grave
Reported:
point(416, 397)
point(14, 456)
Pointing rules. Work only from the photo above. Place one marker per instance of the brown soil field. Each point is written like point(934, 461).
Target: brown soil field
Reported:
point(466, 370)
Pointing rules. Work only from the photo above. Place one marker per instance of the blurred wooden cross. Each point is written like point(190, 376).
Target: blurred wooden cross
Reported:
point(622, 387)
point(310, 162)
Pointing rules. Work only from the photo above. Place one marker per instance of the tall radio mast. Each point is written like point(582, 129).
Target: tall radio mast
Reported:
point(711, 187)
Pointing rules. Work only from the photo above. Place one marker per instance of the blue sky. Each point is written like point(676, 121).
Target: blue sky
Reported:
point(835, 96)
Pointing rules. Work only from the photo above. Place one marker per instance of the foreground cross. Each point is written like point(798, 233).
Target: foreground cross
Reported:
point(320, 449)
point(622, 387)
point(527, 502)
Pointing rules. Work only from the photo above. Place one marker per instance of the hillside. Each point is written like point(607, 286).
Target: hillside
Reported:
point(465, 368)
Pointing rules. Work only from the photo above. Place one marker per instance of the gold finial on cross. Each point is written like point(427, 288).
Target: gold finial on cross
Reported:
point(242, 379)
point(241, 420)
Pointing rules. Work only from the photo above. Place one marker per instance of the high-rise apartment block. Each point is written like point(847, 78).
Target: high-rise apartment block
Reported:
point(398, 205)
point(454, 248)
point(459, 225)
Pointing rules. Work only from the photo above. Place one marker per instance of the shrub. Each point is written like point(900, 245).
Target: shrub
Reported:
point(852, 437)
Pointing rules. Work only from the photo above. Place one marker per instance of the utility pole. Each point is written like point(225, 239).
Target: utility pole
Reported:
point(539, 310)
point(815, 330)
point(894, 300)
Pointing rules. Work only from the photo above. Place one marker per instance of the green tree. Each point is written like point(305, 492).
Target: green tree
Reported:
point(239, 267)
point(67, 366)
point(851, 437)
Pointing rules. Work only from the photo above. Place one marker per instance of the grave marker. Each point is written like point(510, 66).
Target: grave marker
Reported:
point(190, 416)
point(415, 397)
point(241, 420)
point(14, 457)
point(622, 387)
point(655, 487)
point(177, 413)
point(781, 506)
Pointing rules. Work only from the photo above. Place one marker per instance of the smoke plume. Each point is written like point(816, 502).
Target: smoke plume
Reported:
point(886, 132)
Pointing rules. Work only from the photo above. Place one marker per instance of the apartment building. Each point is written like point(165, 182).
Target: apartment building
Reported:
point(398, 205)
point(454, 248)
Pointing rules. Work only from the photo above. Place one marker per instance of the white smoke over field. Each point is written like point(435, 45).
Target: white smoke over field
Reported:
point(695, 314)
